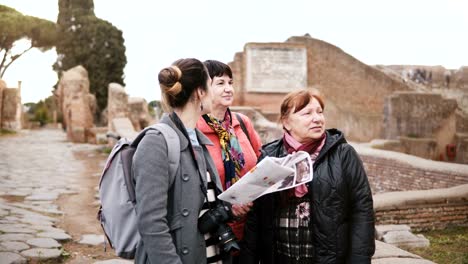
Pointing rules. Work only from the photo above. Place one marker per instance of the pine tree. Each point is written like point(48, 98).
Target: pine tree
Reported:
point(91, 42)
point(15, 26)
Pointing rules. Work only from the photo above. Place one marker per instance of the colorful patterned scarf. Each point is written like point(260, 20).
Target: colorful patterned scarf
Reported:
point(313, 148)
point(233, 158)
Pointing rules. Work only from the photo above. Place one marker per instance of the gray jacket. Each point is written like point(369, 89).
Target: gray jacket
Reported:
point(168, 215)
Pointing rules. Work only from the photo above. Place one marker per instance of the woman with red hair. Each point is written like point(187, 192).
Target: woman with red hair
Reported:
point(328, 220)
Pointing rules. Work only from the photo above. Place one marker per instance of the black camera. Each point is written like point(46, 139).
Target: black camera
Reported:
point(214, 222)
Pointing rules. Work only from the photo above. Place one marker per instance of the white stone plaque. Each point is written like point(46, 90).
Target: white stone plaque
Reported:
point(275, 69)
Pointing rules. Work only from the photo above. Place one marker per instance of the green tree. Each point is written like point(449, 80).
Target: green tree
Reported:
point(42, 111)
point(93, 43)
point(15, 26)
point(39, 113)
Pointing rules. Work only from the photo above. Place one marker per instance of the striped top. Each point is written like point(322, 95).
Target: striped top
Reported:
point(213, 253)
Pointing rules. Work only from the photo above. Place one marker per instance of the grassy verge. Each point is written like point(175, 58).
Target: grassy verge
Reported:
point(449, 246)
point(104, 150)
point(4, 132)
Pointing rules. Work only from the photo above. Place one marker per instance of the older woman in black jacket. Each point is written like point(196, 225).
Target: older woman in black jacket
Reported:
point(328, 220)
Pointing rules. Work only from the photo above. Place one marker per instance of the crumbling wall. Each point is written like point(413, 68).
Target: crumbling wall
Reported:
point(2, 88)
point(117, 103)
point(126, 115)
point(11, 109)
point(424, 209)
point(78, 105)
point(138, 113)
point(354, 92)
point(425, 123)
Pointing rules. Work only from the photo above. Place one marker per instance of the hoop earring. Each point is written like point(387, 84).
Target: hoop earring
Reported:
point(201, 106)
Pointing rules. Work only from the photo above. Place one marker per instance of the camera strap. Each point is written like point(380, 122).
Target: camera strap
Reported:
point(173, 116)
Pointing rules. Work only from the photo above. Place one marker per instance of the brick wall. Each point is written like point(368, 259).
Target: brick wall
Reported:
point(387, 175)
point(390, 171)
point(11, 106)
point(431, 216)
point(2, 87)
point(423, 210)
point(460, 78)
point(354, 92)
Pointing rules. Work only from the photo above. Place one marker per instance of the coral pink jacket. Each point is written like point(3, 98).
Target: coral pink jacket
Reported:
point(251, 152)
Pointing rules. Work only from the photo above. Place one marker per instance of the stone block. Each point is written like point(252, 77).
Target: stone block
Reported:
point(91, 239)
point(267, 130)
point(416, 114)
point(42, 253)
point(60, 236)
point(123, 127)
point(98, 135)
point(401, 261)
point(77, 104)
point(275, 67)
point(2, 87)
point(76, 134)
point(405, 239)
point(114, 261)
point(44, 243)
point(138, 113)
point(14, 258)
point(461, 142)
point(15, 237)
point(422, 147)
point(13, 246)
point(117, 103)
point(384, 250)
point(381, 230)
point(11, 109)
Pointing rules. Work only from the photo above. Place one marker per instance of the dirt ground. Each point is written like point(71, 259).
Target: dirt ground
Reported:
point(80, 212)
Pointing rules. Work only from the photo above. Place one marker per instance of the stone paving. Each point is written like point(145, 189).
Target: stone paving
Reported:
point(35, 168)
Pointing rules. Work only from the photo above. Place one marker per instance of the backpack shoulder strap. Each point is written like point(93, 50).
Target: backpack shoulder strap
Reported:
point(173, 147)
point(242, 124)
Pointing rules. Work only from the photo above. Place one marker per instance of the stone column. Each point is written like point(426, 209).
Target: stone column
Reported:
point(19, 108)
point(11, 102)
point(2, 88)
point(117, 103)
point(139, 114)
point(76, 103)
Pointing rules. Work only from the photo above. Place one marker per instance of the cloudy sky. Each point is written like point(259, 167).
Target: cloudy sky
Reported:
point(416, 32)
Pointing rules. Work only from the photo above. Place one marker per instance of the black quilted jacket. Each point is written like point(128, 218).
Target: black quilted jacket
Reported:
point(342, 208)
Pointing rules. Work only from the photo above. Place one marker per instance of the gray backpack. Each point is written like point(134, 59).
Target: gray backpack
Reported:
point(117, 190)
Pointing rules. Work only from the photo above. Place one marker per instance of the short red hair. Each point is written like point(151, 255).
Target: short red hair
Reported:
point(297, 100)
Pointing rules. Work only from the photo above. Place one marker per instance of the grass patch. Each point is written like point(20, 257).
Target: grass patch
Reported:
point(5, 132)
point(448, 246)
point(412, 135)
point(13, 198)
point(104, 150)
point(64, 256)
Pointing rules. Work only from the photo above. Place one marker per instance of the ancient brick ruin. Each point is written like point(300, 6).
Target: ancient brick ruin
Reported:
point(11, 109)
point(78, 105)
point(354, 92)
point(126, 115)
point(365, 102)
point(433, 120)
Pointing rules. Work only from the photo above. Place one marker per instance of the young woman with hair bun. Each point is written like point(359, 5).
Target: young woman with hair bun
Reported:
point(168, 212)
